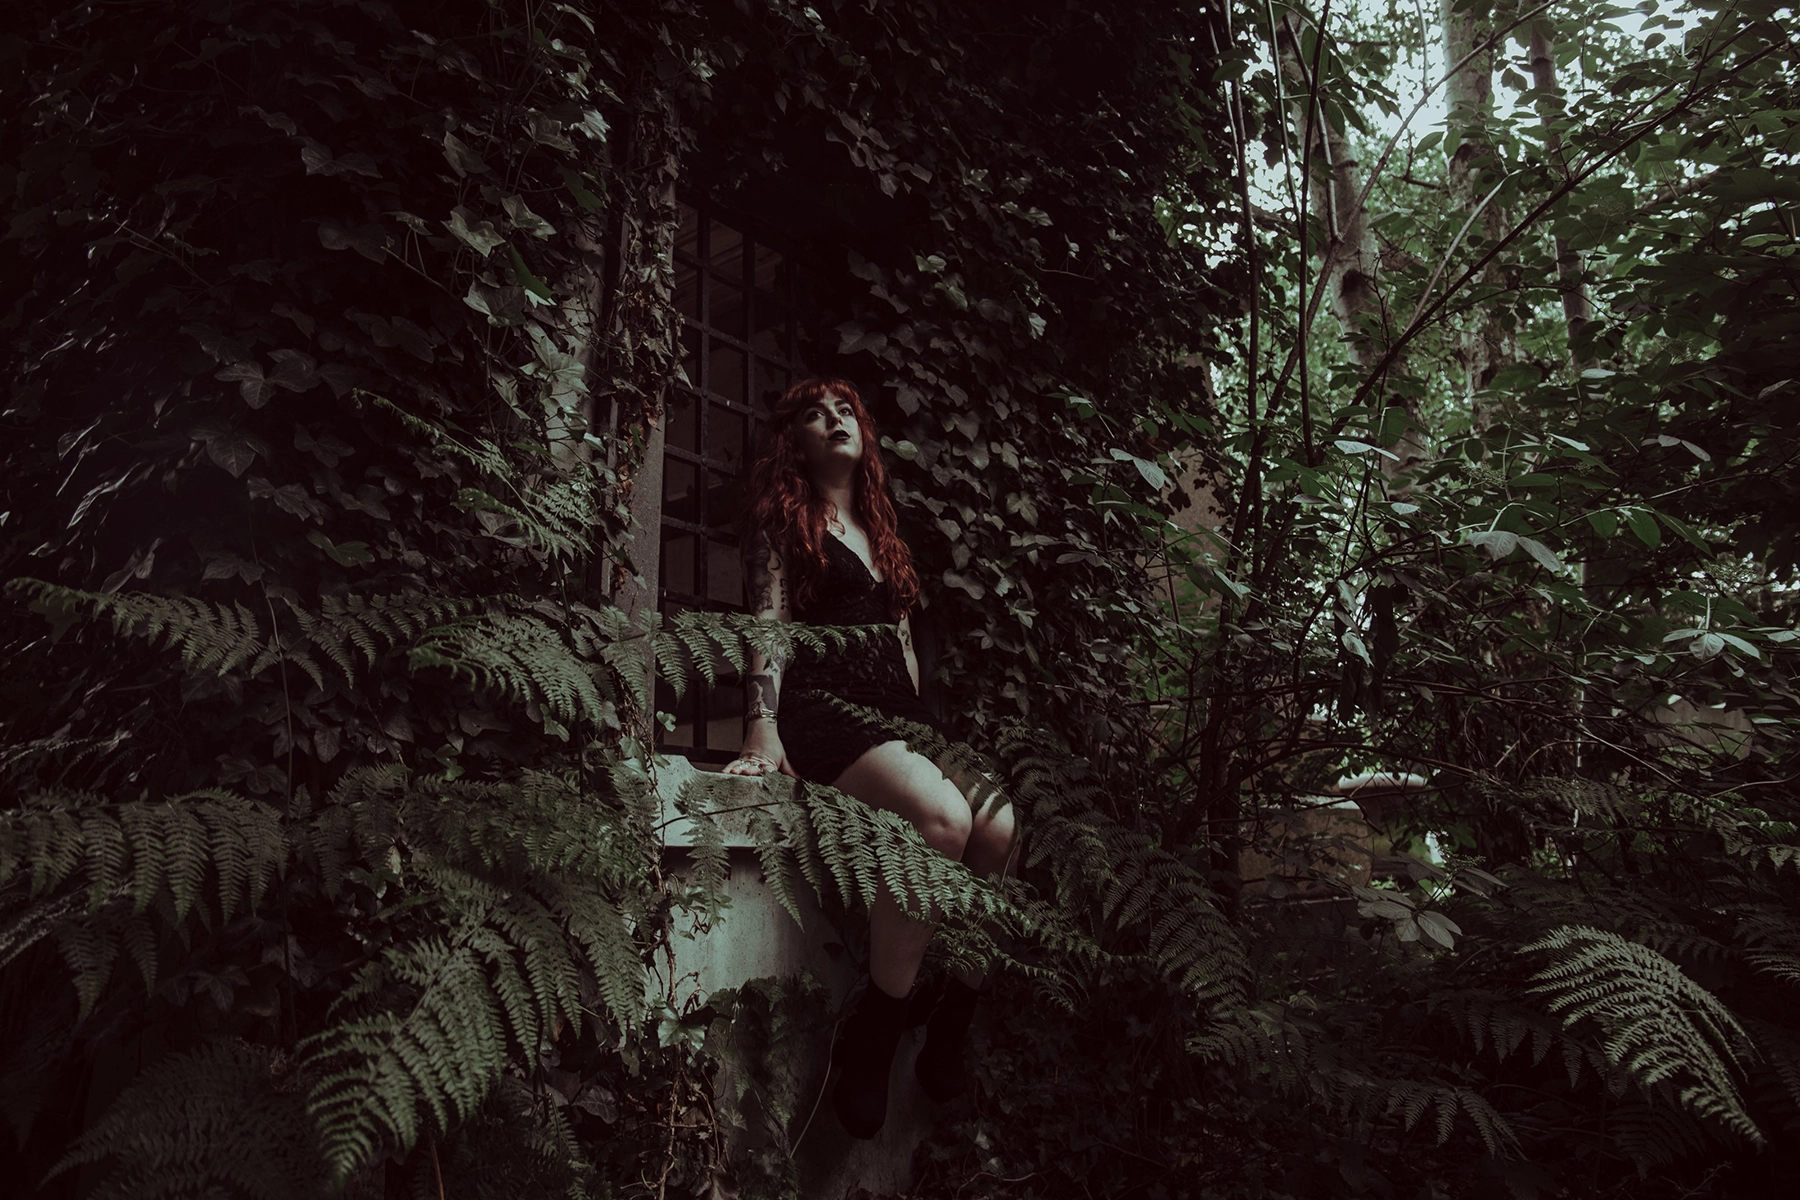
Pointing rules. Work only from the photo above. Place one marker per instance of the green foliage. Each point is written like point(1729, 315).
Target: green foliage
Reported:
point(335, 334)
point(220, 1119)
point(1657, 1023)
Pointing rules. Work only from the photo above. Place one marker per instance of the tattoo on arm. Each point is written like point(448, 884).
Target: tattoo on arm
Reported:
point(763, 564)
point(765, 689)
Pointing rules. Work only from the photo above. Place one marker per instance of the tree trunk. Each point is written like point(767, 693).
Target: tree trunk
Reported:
point(1485, 345)
point(1335, 184)
point(1334, 190)
point(1577, 312)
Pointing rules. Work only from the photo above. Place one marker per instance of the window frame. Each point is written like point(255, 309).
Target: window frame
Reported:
point(699, 333)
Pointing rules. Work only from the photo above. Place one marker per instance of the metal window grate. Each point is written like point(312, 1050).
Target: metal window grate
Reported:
point(737, 299)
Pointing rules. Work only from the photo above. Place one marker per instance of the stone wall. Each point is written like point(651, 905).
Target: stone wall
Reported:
point(756, 938)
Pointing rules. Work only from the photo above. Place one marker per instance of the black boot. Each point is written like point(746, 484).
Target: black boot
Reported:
point(941, 1066)
point(865, 1055)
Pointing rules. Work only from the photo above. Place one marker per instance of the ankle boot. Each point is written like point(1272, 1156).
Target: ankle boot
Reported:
point(865, 1054)
point(942, 1066)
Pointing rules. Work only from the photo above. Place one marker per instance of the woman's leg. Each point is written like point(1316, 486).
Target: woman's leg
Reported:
point(894, 778)
point(991, 850)
point(941, 1066)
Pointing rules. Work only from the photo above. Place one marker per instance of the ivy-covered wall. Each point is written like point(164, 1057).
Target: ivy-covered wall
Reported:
point(334, 333)
point(982, 190)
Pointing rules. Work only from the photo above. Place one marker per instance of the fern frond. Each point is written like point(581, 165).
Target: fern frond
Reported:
point(439, 1054)
point(151, 852)
point(212, 639)
point(349, 628)
point(524, 656)
point(1656, 1023)
point(215, 1120)
point(556, 512)
point(1652, 1135)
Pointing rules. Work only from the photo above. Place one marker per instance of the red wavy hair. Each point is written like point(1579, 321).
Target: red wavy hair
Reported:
point(786, 506)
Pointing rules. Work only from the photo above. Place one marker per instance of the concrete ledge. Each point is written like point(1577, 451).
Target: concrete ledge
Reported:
point(755, 938)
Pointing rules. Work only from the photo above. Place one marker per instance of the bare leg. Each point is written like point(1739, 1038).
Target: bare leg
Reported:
point(894, 778)
point(993, 839)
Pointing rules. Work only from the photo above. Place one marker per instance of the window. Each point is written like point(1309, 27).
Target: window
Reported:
point(736, 297)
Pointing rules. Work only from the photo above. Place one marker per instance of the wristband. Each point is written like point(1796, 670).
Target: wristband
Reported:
point(760, 712)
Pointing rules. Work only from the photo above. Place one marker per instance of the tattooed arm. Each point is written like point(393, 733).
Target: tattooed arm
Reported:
point(768, 594)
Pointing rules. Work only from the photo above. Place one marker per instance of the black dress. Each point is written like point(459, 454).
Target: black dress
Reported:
point(821, 735)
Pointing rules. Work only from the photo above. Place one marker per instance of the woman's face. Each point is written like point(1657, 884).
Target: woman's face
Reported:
point(829, 435)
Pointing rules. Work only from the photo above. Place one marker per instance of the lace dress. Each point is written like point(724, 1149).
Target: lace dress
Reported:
point(821, 735)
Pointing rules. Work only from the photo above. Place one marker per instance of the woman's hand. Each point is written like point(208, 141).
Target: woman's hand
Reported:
point(762, 753)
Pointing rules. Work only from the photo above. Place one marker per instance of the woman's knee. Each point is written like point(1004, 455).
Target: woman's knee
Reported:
point(993, 829)
point(944, 821)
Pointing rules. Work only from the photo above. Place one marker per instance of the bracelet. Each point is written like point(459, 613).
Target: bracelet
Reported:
point(760, 712)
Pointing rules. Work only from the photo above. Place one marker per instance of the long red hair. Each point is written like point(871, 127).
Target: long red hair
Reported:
point(789, 510)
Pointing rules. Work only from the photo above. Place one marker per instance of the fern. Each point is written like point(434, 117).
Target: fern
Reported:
point(1506, 1026)
point(708, 644)
point(553, 512)
point(1656, 1023)
point(479, 998)
point(349, 628)
point(147, 853)
point(212, 639)
point(566, 677)
point(532, 887)
point(219, 1119)
point(524, 657)
point(1292, 1053)
point(375, 1073)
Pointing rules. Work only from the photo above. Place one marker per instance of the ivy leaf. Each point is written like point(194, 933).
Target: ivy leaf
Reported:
point(479, 236)
point(368, 241)
point(344, 554)
point(579, 189)
point(500, 305)
point(294, 371)
point(463, 160)
point(535, 288)
point(975, 588)
point(526, 221)
point(255, 389)
point(320, 161)
point(233, 450)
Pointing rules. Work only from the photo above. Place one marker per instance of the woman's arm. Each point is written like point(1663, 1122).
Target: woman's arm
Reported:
point(906, 647)
point(768, 593)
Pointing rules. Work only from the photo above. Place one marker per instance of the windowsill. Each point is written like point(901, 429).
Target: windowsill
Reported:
point(728, 792)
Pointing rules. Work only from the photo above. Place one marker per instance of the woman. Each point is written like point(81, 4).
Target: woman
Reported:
point(824, 550)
